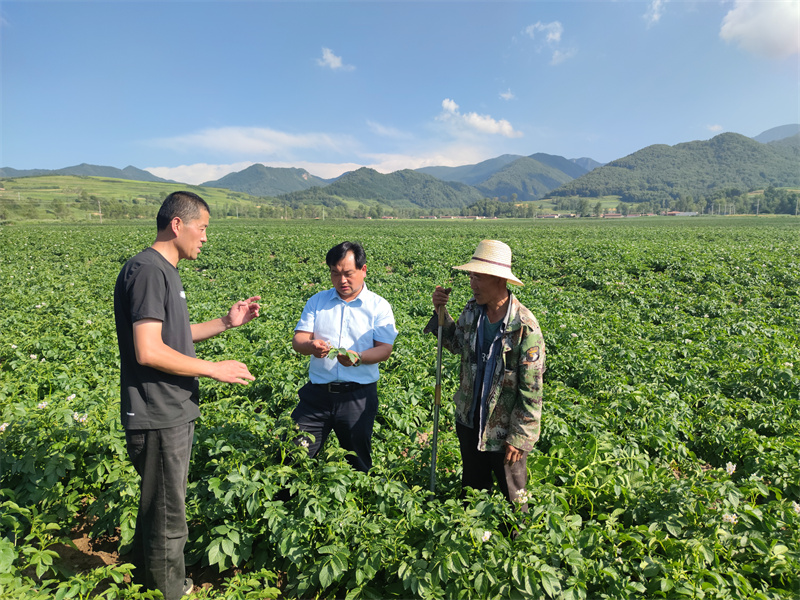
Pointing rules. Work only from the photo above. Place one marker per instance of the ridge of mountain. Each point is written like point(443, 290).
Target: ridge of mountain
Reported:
point(777, 133)
point(401, 189)
point(470, 174)
point(728, 160)
point(260, 180)
point(513, 177)
point(570, 168)
point(527, 179)
point(589, 164)
point(130, 173)
point(791, 141)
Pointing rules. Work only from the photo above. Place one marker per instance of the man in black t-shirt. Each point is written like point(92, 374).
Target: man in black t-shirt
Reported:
point(159, 392)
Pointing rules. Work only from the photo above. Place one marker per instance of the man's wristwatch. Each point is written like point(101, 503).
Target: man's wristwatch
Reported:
point(358, 360)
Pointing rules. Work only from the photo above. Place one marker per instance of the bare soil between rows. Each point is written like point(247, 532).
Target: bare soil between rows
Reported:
point(91, 553)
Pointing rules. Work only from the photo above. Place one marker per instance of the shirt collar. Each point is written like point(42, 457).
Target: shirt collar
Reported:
point(355, 301)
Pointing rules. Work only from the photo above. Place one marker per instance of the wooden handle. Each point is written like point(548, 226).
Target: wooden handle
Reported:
point(439, 310)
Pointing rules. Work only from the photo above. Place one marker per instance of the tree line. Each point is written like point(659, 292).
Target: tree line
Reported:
point(725, 202)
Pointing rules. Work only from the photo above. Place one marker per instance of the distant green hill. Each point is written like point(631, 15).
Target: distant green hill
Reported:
point(526, 178)
point(87, 198)
point(259, 180)
point(787, 142)
point(86, 170)
point(699, 168)
point(471, 174)
point(510, 176)
point(777, 133)
point(569, 167)
point(588, 164)
point(401, 189)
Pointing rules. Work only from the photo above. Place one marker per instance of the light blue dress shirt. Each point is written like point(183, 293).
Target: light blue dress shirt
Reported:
point(353, 325)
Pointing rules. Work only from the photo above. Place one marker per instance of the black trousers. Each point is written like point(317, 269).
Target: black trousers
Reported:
point(349, 414)
point(161, 457)
point(479, 467)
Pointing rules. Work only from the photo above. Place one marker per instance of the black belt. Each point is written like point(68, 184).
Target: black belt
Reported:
point(340, 387)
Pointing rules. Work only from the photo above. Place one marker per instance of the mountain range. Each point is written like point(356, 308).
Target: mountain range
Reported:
point(85, 170)
point(258, 180)
point(728, 160)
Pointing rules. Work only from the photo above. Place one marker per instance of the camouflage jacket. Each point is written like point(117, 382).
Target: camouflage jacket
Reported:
point(515, 396)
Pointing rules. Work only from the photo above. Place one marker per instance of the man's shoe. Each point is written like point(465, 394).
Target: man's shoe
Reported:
point(188, 585)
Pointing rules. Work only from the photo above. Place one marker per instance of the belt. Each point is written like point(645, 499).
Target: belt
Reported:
point(340, 387)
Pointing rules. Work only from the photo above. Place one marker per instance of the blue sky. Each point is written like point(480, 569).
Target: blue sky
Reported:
point(194, 90)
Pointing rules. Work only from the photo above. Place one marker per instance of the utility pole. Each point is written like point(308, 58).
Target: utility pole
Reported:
point(99, 211)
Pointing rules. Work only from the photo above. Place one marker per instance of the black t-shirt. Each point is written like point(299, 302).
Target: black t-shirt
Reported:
point(149, 287)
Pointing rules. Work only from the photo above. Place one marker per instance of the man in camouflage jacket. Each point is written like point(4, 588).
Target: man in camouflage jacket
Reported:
point(498, 404)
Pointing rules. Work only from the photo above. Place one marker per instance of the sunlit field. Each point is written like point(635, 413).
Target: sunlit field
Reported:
point(668, 466)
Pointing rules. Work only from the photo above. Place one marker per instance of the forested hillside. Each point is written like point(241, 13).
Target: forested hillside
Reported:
point(659, 173)
point(513, 178)
point(129, 173)
point(524, 179)
point(258, 180)
point(471, 174)
point(401, 189)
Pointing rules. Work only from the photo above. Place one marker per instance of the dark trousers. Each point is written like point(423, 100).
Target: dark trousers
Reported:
point(349, 414)
point(479, 467)
point(161, 457)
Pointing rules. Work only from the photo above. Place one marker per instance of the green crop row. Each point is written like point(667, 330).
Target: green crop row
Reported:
point(668, 466)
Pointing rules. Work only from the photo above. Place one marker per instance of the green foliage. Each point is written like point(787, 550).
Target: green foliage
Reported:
point(84, 198)
point(258, 180)
point(401, 189)
point(667, 467)
point(660, 173)
point(525, 179)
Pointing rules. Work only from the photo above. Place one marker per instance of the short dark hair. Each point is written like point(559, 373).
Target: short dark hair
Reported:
point(337, 253)
point(187, 206)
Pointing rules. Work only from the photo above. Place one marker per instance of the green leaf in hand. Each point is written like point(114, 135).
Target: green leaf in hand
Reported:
point(351, 354)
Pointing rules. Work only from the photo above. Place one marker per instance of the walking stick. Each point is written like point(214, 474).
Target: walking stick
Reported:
point(437, 395)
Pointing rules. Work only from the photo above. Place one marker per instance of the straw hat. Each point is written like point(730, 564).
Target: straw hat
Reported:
point(491, 258)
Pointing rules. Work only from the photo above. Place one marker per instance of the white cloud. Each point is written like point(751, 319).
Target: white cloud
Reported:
point(507, 95)
point(197, 173)
point(768, 29)
point(331, 61)
point(715, 128)
point(552, 31)
point(241, 141)
point(552, 40)
point(475, 122)
point(655, 12)
point(449, 106)
point(560, 56)
point(388, 132)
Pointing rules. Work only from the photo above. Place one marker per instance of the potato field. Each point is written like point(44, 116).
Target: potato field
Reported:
point(668, 466)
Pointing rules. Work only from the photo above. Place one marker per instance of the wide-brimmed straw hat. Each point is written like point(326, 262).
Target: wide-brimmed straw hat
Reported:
point(491, 258)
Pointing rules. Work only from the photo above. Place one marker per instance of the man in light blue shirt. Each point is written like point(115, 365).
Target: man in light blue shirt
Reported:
point(342, 394)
